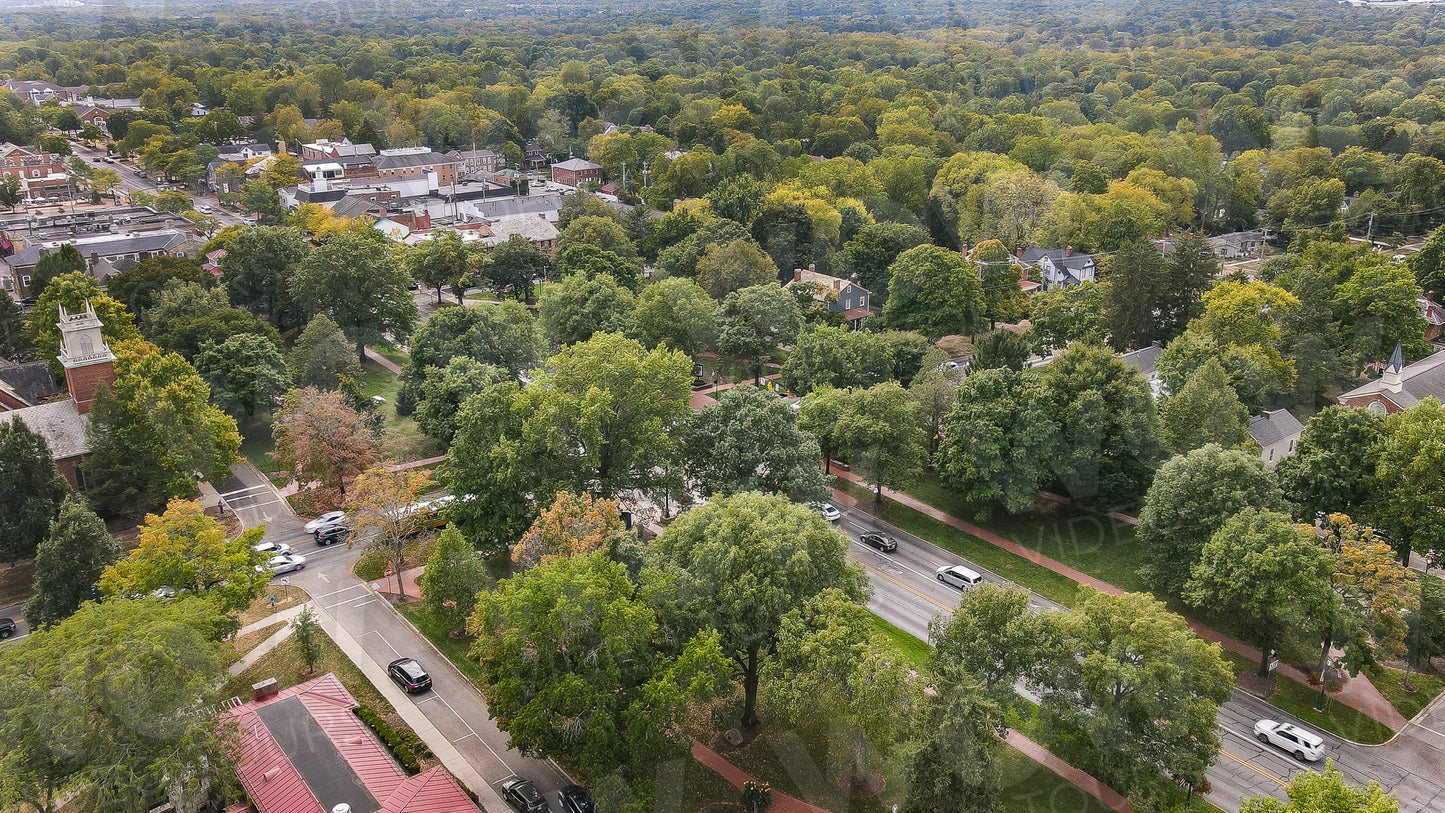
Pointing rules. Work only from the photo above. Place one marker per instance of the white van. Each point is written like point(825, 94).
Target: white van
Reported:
point(959, 576)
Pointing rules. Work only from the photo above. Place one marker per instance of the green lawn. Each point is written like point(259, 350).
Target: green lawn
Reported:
point(257, 443)
point(1408, 703)
point(454, 648)
point(916, 650)
point(1299, 700)
point(1029, 787)
point(285, 664)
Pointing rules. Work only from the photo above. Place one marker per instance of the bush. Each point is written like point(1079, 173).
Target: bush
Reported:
point(370, 567)
point(403, 743)
point(757, 797)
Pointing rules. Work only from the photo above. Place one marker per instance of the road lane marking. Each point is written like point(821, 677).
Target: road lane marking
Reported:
point(364, 603)
point(926, 598)
point(322, 577)
point(244, 490)
point(1264, 773)
point(342, 590)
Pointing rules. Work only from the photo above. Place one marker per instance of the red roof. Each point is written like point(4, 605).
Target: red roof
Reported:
point(855, 313)
point(276, 786)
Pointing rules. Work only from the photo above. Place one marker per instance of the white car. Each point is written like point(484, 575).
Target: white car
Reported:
point(959, 576)
point(272, 548)
point(1304, 745)
point(325, 521)
point(827, 511)
point(204, 208)
point(285, 563)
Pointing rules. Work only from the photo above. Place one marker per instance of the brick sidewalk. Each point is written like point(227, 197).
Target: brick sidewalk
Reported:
point(1359, 693)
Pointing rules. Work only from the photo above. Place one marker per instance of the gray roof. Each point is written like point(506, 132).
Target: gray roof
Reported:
point(60, 423)
point(416, 160)
point(30, 382)
point(1418, 381)
point(1143, 359)
point(576, 165)
point(530, 205)
point(1059, 256)
point(1268, 428)
point(110, 246)
point(226, 149)
point(355, 206)
point(315, 756)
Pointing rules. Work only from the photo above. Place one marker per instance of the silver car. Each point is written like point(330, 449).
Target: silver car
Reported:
point(325, 521)
point(285, 563)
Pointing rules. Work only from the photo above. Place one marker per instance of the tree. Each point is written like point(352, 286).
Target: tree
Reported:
point(740, 564)
point(454, 576)
point(14, 340)
point(935, 292)
point(382, 504)
point(573, 525)
point(320, 437)
point(1133, 295)
point(321, 357)
point(1109, 432)
point(10, 192)
point(1427, 264)
point(883, 440)
point(752, 322)
point(1191, 498)
point(356, 280)
point(31, 488)
point(1411, 474)
point(506, 335)
point(154, 430)
point(71, 291)
point(1190, 271)
point(1137, 690)
point(785, 232)
point(1060, 317)
point(1378, 308)
point(65, 260)
point(1270, 576)
point(514, 266)
point(187, 551)
point(69, 563)
point(138, 287)
point(1327, 792)
point(591, 262)
point(820, 413)
point(1000, 349)
point(956, 751)
point(995, 638)
point(1003, 299)
point(1251, 316)
point(675, 313)
point(258, 264)
point(729, 267)
point(441, 395)
point(1373, 596)
point(439, 261)
point(259, 197)
point(599, 231)
point(998, 441)
point(577, 667)
point(1425, 634)
point(105, 702)
point(1207, 410)
point(871, 252)
point(575, 308)
point(837, 357)
point(246, 373)
point(308, 637)
point(750, 441)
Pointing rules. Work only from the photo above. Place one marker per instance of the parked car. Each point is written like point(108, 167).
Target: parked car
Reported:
point(326, 520)
point(1304, 745)
point(574, 799)
point(409, 675)
point(959, 576)
point(827, 511)
point(284, 563)
point(332, 535)
point(879, 540)
point(273, 548)
point(523, 795)
point(7, 628)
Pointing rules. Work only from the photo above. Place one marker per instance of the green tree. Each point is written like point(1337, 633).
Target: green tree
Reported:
point(675, 313)
point(999, 349)
point(883, 440)
point(821, 413)
point(14, 340)
point(1060, 317)
point(439, 261)
point(1373, 596)
point(1191, 498)
point(785, 232)
point(1270, 576)
point(10, 192)
point(258, 264)
point(956, 751)
point(1327, 792)
point(999, 441)
point(1378, 308)
point(321, 437)
point(321, 356)
point(1191, 270)
point(65, 260)
point(1110, 439)
point(246, 373)
point(308, 636)
point(187, 551)
point(752, 322)
point(871, 252)
point(1003, 299)
point(445, 389)
point(1136, 286)
point(740, 564)
point(995, 638)
point(454, 576)
point(514, 265)
point(935, 292)
point(750, 441)
point(837, 357)
point(591, 262)
point(357, 281)
point(726, 268)
point(31, 488)
point(173, 201)
point(1411, 474)
point(1427, 264)
point(599, 231)
point(572, 667)
point(72, 291)
point(1207, 410)
point(577, 307)
point(137, 287)
point(69, 563)
point(506, 335)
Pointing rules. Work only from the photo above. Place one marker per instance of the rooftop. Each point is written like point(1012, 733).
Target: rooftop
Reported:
point(60, 423)
point(1418, 381)
point(1268, 428)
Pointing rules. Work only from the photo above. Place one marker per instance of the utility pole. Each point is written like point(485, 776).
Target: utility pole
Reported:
point(1370, 230)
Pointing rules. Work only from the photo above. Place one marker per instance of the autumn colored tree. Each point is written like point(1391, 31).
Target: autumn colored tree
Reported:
point(574, 525)
point(320, 437)
point(383, 503)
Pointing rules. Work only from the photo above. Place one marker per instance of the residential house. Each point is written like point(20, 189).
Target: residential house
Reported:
point(536, 156)
point(1434, 317)
point(304, 750)
point(94, 116)
point(483, 160)
point(1239, 244)
point(1056, 267)
point(212, 265)
point(36, 92)
point(1144, 360)
point(1276, 433)
point(89, 365)
point(323, 149)
point(576, 171)
point(105, 255)
point(1401, 385)
point(241, 153)
point(417, 162)
point(842, 296)
point(536, 228)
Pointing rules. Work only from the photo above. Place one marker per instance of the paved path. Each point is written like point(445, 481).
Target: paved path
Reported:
point(782, 802)
point(256, 501)
point(261, 649)
point(382, 361)
point(1359, 693)
point(1089, 784)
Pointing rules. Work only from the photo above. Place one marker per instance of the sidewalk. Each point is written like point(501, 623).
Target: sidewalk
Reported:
point(381, 361)
point(782, 802)
point(261, 649)
point(1359, 693)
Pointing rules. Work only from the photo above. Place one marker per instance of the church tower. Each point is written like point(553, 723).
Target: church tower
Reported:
point(87, 360)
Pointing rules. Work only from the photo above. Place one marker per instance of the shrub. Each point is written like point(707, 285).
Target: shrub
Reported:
point(757, 797)
point(370, 567)
point(403, 743)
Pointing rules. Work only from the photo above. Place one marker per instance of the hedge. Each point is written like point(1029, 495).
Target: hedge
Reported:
point(404, 744)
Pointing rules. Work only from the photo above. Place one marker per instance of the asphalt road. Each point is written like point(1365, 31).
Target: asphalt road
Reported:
point(908, 595)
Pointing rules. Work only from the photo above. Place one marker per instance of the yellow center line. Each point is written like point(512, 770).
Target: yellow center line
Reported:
point(1252, 767)
point(883, 575)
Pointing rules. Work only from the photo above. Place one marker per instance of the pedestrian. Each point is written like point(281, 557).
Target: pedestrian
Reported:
point(273, 601)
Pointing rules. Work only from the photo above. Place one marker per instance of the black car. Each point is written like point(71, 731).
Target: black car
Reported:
point(409, 675)
point(523, 795)
point(574, 799)
point(881, 541)
point(7, 628)
point(330, 536)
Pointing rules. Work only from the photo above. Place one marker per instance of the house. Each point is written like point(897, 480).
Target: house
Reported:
point(241, 153)
point(1144, 360)
point(1276, 433)
point(41, 174)
point(576, 171)
point(89, 365)
point(1057, 267)
point(105, 255)
point(1400, 386)
point(842, 296)
point(25, 385)
point(1434, 317)
point(536, 228)
point(304, 750)
point(417, 162)
point(212, 265)
point(323, 149)
point(1239, 244)
point(94, 116)
point(478, 160)
point(35, 91)
point(536, 157)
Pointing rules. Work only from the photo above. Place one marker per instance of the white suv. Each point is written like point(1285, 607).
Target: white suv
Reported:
point(1305, 745)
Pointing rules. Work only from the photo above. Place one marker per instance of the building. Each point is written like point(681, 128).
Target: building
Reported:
point(1057, 267)
point(105, 255)
point(536, 228)
point(1400, 386)
point(841, 296)
point(94, 116)
point(1276, 433)
point(304, 750)
point(36, 92)
point(1239, 244)
point(576, 171)
point(1145, 360)
point(536, 156)
point(417, 162)
point(41, 174)
point(89, 365)
point(478, 160)
point(25, 385)
point(323, 149)
point(1434, 317)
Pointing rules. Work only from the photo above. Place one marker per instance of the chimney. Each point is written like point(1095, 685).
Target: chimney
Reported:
point(1069, 251)
point(797, 275)
point(812, 269)
point(1019, 253)
point(837, 283)
point(264, 689)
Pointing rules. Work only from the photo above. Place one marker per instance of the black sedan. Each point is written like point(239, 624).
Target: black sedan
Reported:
point(574, 799)
point(409, 675)
point(879, 540)
point(523, 795)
